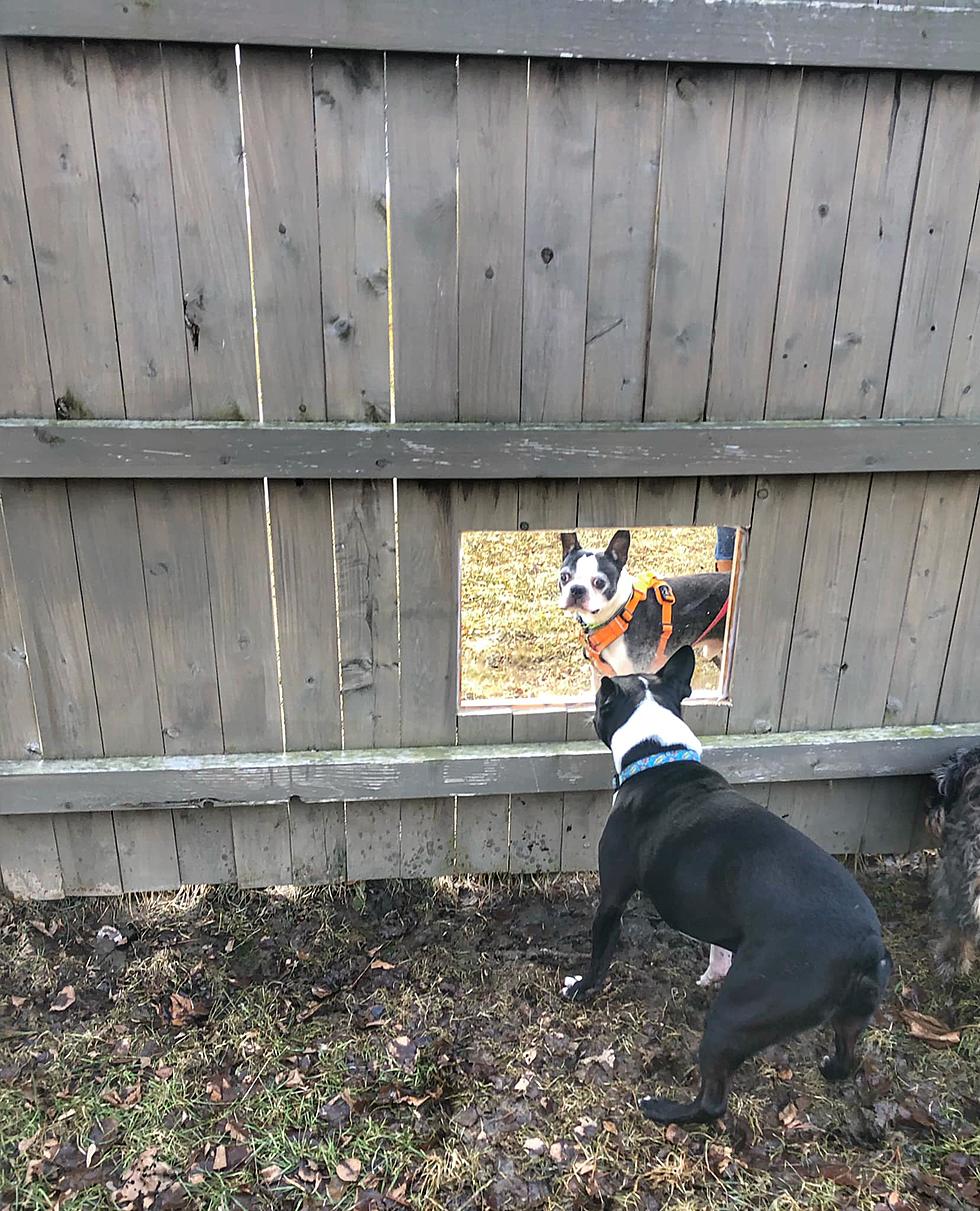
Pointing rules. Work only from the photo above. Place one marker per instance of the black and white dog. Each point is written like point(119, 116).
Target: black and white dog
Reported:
point(807, 943)
point(954, 817)
point(595, 586)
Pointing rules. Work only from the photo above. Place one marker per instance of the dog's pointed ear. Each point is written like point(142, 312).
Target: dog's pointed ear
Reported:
point(607, 688)
point(619, 547)
point(569, 543)
point(679, 670)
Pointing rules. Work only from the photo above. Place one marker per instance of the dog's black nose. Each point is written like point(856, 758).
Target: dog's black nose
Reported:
point(577, 592)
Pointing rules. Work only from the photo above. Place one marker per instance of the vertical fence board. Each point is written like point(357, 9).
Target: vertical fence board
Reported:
point(42, 551)
point(629, 118)
point(129, 122)
point(482, 820)
point(560, 155)
point(29, 864)
point(238, 573)
point(938, 242)
point(492, 167)
point(110, 568)
point(959, 698)
point(536, 820)
point(277, 105)
point(828, 128)
point(209, 190)
point(23, 352)
point(55, 138)
point(694, 165)
point(759, 160)
point(422, 152)
point(960, 389)
point(895, 111)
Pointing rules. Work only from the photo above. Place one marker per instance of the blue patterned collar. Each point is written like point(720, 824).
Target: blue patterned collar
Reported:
point(655, 759)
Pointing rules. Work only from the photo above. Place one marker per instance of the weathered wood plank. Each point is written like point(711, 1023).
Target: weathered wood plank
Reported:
point(961, 389)
point(877, 236)
point(147, 847)
point(938, 242)
point(421, 99)
point(195, 450)
point(29, 863)
point(828, 127)
point(629, 117)
point(349, 114)
point(560, 157)
point(23, 351)
point(961, 688)
point(277, 107)
point(90, 786)
point(793, 31)
point(536, 818)
point(317, 842)
point(421, 108)
point(492, 170)
point(948, 510)
point(759, 160)
point(209, 192)
point(694, 165)
point(129, 123)
point(55, 137)
point(482, 821)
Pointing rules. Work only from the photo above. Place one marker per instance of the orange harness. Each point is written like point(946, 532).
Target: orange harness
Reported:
point(595, 641)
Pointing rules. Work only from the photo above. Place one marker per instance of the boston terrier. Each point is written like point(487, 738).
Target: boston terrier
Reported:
point(806, 941)
point(595, 586)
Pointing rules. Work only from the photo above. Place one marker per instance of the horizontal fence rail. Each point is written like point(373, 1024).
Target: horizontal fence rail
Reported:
point(791, 32)
point(31, 787)
point(235, 450)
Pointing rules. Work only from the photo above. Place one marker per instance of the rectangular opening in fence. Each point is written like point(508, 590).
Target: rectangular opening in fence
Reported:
point(542, 612)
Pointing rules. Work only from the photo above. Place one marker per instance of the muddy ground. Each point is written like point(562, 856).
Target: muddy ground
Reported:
point(404, 1045)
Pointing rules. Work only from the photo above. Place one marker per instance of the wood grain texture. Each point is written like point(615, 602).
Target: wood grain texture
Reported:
point(455, 451)
point(96, 786)
point(961, 389)
point(629, 120)
point(694, 165)
point(483, 821)
point(492, 170)
point(938, 242)
point(421, 98)
point(759, 160)
point(828, 126)
point(29, 863)
point(23, 350)
point(129, 124)
point(349, 112)
point(277, 107)
point(959, 693)
point(55, 137)
point(942, 544)
point(895, 111)
point(560, 159)
point(834, 35)
point(209, 192)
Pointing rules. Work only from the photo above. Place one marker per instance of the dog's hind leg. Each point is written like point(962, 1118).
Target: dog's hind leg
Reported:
point(750, 1013)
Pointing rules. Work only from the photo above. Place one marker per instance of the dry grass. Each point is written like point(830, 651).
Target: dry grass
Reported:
point(516, 642)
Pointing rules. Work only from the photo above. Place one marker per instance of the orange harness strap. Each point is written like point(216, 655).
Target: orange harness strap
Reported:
point(595, 642)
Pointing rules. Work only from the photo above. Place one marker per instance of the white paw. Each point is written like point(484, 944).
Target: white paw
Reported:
point(569, 985)
point(719, 963)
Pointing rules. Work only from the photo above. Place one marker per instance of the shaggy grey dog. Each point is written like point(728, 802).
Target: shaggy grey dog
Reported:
point(953, 815)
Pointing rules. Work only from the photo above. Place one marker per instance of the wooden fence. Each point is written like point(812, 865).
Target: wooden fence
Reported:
point(273, 334)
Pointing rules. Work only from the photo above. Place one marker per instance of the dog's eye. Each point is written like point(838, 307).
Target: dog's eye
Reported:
point(564, 578)
point(599, 583)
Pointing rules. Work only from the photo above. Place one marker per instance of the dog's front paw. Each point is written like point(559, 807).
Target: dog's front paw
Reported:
point(719, 965)
point(574, 988)
point(832, 1070)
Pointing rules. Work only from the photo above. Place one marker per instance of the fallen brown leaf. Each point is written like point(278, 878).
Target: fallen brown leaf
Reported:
point(930, 1030)
point(270, 1174)
point(18, 1002)
point(185, 1010)
point(129, 1095)
point(64, 999)
point(789, 1114)
point(349, 1170)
